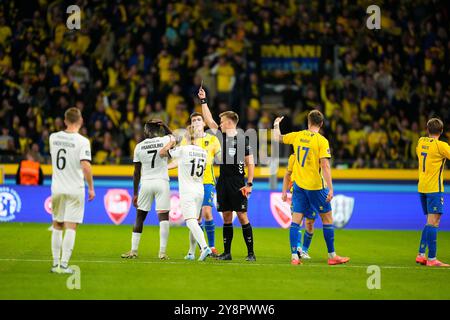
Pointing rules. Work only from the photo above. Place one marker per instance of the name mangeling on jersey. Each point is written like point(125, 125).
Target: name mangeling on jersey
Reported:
point(305, 140)
point(197, 154)
point(64, 144)
point(152, 146)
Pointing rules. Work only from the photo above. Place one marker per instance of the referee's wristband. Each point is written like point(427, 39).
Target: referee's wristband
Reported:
point(204, 100)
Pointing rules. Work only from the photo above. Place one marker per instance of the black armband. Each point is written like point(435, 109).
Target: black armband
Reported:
point(204, 100)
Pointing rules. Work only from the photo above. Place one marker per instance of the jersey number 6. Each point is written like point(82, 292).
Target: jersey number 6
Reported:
point(61, 160)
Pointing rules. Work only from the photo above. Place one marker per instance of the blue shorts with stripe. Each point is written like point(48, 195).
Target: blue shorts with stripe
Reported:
point(208, 198)
point(310, 202)
point(432, 202)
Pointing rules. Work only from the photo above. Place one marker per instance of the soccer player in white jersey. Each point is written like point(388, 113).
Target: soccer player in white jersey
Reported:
point(71, 161)
point(150, 169)
point(191, 168)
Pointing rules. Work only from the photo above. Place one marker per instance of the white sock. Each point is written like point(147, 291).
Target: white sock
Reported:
point(192, 243)
point(295, 256)
point(331, 255)
point(422, 254)
point(135, 238)
point(197, 232)
point(57, 238)
point(163, 235)
point(67, 246)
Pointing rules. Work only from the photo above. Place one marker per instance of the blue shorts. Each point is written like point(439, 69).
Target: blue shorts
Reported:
point(432, 202)
point(310, 202)
point(208, 198)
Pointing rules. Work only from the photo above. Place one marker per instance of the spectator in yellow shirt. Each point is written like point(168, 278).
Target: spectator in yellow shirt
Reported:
point(225, 79)
point(173, 100)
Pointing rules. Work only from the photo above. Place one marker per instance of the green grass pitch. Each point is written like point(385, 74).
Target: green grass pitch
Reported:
point(25, 260)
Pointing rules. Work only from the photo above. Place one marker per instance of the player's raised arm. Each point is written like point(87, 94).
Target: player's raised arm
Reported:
point(172, 165)
point(276, 129)
point(326, 172)
point(87, 172)
point(205, 110)
point(164, 152)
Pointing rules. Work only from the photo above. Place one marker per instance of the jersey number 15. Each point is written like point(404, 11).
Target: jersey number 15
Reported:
point(198, 167)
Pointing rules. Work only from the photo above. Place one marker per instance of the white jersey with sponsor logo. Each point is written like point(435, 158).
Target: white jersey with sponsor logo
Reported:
point(153, 165)
point(191, 167)
point(67, 150)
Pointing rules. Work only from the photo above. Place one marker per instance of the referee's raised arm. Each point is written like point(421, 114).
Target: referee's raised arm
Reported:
point(205, 111)
point(277, 136)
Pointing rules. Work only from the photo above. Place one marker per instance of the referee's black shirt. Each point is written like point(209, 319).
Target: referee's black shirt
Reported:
point(234, 150)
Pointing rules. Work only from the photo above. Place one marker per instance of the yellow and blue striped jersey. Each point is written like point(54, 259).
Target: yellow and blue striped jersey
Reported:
point(432, 155)
point(211, 144)
point(309, 148)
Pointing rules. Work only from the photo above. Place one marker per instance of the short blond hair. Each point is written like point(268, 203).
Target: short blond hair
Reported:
point(233, 116)
point(72, 115)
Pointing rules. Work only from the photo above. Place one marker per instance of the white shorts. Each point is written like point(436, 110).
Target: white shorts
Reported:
point(191, 205)
point(68, 207)
point(154, 189)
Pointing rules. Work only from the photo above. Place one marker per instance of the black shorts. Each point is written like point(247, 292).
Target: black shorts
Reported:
point(229, 196)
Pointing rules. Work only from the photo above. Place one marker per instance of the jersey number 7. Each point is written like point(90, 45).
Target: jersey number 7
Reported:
point(424, 154)
point(154, 156)
point(306, 149)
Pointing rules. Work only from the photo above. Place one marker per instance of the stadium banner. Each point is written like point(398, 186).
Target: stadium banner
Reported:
point(351, 209)
point(288, 59)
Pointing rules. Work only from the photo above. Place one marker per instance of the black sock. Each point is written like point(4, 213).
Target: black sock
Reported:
point(227, 237)
point(248, 237)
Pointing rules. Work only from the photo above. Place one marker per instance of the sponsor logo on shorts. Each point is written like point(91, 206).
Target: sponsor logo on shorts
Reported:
point(10, 204)
point(232, 152)
point(281, 210)
point(117, 204)
point(342, 207)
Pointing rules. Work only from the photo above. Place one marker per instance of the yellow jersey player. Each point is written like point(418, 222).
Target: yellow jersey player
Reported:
point(288, 184)
point(312, 190)
point(211, 144)
point(432, 154)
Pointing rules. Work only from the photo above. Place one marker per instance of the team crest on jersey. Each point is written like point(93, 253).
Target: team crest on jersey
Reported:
point(206, 143)
point(342, 207)
point(281, 210)
point(117, 204)
point(10, 204)
point(232, 151)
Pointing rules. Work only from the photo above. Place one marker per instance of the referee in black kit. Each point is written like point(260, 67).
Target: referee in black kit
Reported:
point(232, 192)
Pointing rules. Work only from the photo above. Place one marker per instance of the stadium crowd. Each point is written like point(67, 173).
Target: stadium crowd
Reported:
point(136, 60)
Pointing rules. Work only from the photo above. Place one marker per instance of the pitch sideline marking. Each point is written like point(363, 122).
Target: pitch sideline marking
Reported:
point(123, 262)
